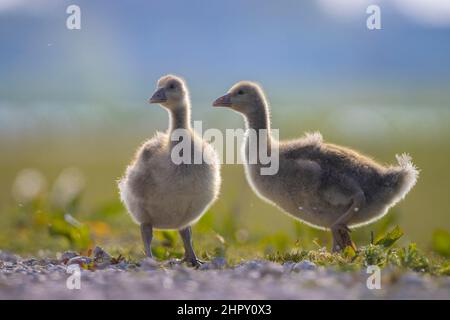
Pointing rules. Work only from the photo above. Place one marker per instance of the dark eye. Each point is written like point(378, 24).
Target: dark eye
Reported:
point(171, 86)
point(240, 92)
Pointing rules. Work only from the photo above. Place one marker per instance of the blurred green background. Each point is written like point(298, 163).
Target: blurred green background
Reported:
point(73, 111)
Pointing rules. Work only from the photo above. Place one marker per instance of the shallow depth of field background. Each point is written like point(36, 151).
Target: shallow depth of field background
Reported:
point(73, 110)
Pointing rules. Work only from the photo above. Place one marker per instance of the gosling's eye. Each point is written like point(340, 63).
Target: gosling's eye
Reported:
point(172, 86)
point(240, 92)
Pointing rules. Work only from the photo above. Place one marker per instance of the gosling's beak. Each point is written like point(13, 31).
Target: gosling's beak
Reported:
point(159, 96)
point(223, 101)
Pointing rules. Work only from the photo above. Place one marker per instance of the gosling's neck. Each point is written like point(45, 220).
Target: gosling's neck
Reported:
point(259, 119)
point(180, 116)
point(259, 131)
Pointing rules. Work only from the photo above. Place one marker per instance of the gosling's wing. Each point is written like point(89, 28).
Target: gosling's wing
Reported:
point(301, 148)
point(152, 146)
point(142, 174)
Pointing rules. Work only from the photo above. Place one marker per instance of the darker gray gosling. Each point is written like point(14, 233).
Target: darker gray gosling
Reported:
point(160, 193)
point(324, 185)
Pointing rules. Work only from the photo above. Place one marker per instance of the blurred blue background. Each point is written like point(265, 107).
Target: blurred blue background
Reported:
point(292, 45)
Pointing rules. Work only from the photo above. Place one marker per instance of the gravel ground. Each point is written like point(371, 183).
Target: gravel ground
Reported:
point(256, 279)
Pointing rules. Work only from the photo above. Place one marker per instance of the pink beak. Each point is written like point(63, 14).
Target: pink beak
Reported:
point(223, 101)
point(159, 96)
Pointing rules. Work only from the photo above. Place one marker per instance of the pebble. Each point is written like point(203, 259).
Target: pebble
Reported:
point(123, 265)
point(79, 260)
point(303, 265)
point(100, 255)
point(30, 262)
point(251, 265)
point(149, 264)
point(8, 257)
point(217, 263)
point(66, 256)
point(412, 279)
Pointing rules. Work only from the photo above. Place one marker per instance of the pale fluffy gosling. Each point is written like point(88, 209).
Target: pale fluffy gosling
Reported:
point(161, 193)
point(321, 184)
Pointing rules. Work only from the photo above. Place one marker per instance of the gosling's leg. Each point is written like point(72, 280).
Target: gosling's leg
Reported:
point(189, 254)
point(340, 230)
point(147, 235)
point(341, 238)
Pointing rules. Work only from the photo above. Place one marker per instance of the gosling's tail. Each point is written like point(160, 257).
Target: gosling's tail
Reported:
point(394, 185)
point(406, 175)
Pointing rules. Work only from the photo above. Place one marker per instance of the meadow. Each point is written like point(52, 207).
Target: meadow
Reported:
point(58, 187)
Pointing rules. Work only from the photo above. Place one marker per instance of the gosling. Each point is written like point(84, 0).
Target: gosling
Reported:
point(159, 190)
point(324, 185)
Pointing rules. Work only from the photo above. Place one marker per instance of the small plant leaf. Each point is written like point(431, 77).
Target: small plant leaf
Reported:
point(390, 238)
point(414, 259)
point(349, 252)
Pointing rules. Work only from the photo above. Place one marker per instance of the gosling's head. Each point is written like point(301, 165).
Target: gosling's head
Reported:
point(245, 97)
point(171, 92)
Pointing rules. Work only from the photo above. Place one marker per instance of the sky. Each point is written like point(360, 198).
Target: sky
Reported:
point(288, 46)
